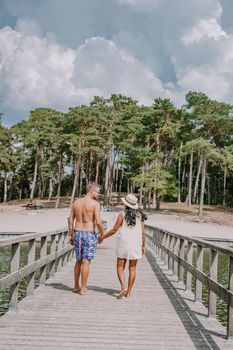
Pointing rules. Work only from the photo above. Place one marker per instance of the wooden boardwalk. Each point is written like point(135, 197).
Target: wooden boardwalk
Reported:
point(55, 318)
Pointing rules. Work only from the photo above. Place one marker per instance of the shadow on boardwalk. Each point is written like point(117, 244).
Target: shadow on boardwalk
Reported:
point(200, 337)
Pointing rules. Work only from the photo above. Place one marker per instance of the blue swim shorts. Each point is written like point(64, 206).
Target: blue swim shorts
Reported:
point(85, 244)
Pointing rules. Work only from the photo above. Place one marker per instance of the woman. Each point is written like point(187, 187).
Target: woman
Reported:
point(130, 243)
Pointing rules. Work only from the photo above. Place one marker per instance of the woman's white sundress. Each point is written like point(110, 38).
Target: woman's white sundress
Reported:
point(129, 241)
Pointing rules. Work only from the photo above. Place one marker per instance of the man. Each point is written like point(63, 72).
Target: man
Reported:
point(84, 216)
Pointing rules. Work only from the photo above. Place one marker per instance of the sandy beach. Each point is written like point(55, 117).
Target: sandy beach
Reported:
point(17, 219)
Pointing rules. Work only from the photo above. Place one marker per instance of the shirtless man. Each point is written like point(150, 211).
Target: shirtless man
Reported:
point(84, 215)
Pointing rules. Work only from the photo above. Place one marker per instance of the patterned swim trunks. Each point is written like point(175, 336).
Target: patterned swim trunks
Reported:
point(85, 244)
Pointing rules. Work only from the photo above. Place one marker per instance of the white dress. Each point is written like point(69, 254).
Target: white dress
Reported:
point(129, 241)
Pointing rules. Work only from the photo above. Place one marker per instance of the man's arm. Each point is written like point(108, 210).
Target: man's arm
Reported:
point(115, 228)
point(98, 220)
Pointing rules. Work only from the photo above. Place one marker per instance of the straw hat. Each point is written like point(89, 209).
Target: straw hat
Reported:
point(130, 201)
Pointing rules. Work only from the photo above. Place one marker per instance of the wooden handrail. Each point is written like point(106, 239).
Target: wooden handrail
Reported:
point(170, 249)
point(60, 252)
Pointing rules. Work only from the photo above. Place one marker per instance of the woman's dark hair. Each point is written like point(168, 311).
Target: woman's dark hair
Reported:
point(132, 214)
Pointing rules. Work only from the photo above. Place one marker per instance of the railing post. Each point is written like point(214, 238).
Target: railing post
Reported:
point(52, 266)
point(31, 259)
point(167, 246)
point(65, 242)
point(15, 253)
point(163, 254)
point(43, 253)
point(213, 275)
point(170, 247)
point(230, 304)
point(188, 283)
point(59, 246)
point(198, 289)
point(181, 255)
point(176, 251)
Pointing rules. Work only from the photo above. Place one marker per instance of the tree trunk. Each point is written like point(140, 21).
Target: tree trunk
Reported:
point(116, 178)
point(59, 180)
point(106, 184)
point(179, 174)
point(224, 185)
point(97, 171)
point(158, 200)
point(81, 180)
point(190, 179)
point(141, 185)
point(5, 188)
point(197, 181)
point(76, 178)
point(203, 178)
point(34, 178)
point(183, 177)
point(50, 189)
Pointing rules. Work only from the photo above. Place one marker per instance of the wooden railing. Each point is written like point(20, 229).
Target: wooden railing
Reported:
point(177, 252)
point(60, 251)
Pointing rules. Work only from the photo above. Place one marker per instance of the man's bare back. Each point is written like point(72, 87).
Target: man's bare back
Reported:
point(85, 211)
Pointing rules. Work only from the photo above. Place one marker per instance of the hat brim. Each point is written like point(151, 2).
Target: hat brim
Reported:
point(133, 206)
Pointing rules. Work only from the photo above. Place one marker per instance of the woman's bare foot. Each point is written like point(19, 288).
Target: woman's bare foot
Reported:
point(76, 290)
point(127, 295)
point(121, 294)
point(84, 292)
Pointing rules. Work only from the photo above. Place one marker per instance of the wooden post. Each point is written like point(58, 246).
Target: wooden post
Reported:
point(230, 304)
point(170, 247)
point(59, 246)
point(163, 254)
point(188, 284)
point(167, 246)
point(176, 251)
point(52, 267)
point(181, 255)
point(15, 253)
point(213, 275)
point(65, 242)
point(31, 259)
point(43, 253)
point(198, 289)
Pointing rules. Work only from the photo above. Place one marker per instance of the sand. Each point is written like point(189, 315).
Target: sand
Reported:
point(17, 219)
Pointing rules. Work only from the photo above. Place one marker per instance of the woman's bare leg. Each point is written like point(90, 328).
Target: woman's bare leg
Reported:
point(132, 276)
point(121, 276)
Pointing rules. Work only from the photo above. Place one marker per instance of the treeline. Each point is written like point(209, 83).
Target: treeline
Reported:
point(160, 152)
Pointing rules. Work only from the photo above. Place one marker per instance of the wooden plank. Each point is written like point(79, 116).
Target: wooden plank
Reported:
point(15, 254)
point(59, 246)
point(31, 259)
point(181, 257)
point(176, 252)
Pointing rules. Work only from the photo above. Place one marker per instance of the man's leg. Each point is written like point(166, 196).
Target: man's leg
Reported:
point(84, 274)
point(132, 275)
point(121, 276)
point(77, 271)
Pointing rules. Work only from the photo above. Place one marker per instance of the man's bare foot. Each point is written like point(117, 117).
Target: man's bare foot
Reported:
point(76, 290)
point(127, 295)
point(84, 292)
point(121, 294)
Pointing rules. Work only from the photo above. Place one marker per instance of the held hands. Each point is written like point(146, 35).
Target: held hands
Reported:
point(100, 239)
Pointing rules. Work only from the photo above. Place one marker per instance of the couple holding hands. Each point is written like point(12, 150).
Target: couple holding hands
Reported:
point(84, 215)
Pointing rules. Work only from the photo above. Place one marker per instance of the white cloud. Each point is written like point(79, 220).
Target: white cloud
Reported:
point(204, 30)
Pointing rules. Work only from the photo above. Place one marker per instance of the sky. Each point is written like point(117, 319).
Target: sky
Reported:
point(61, 53)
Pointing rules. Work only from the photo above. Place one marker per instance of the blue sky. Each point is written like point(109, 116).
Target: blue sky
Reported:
point(61, 53)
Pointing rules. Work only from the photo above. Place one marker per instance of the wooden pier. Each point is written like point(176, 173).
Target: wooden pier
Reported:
point(161, 314)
